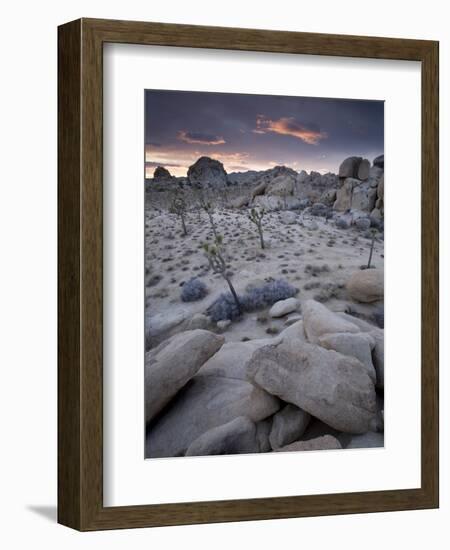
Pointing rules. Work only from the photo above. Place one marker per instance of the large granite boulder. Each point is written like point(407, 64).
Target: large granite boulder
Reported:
point(344, 195)
point(173, 363)
point(328, 385)
point(363, 170)
point(378, 351)
point(366, 285)
point(319, 320)
point(359, 346)
point(206, 402)
point(349, 167)
point(207, 172)
point(379, 161)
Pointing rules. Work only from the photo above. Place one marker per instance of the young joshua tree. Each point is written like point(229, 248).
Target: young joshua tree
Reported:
point(373, 232)
point(256, 217)
point(214, 254)
point(178, 206)
point(209, 209)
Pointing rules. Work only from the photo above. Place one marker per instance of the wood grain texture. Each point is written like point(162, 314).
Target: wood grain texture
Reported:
point(80, 264)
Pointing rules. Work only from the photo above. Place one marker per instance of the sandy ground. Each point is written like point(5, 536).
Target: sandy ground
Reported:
point(316, 261)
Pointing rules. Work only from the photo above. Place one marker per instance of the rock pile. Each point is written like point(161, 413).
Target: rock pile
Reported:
point(361, 186)
point(313, 386)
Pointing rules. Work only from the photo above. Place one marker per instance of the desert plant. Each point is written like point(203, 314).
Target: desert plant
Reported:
point(267, 294)
point(256, 217)
point(373, 233)
point(209, 209)
point(178, 206)
point(225, 307)
point(214, 254)
point(193, 290)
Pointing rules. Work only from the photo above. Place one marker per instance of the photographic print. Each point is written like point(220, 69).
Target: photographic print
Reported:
point(264, 274)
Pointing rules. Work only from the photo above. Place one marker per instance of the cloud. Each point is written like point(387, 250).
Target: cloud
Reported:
point(200, 137)
point(289, 126)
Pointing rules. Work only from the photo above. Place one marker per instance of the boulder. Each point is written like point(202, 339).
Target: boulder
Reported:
point(363, 223)
point(260, 189)
point(343, 222)
point(363, 170)
point(232, 358)
point(240, 202)
point(283, 307)
point(282, 185)
point(319, 209)
point(159, 326)
point(205, 403)
point(344, 195)
point(359, 346)
point(375, 174)
point(199, 320)
point(288, 218)
point(161, 174)
point(349, 167)
point(328, 385)
point(324, 443)
point(366, 285)
point(378, 351)
point(364, 197)
point(380, 188)
point(223, 325)
point(288, 425)
point(379, 161)
point(173, 363)
point(207, 172)
point(366, 441)
point(263, 428)
point(236, 436)
point(319, 320)
point(328, 197)
point(296, 330)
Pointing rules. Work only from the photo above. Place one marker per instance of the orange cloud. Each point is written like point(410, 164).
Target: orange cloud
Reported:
point(288, 126)
point(199, 137)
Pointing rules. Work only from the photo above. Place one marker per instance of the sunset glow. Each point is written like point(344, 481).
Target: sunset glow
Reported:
point(254, 132)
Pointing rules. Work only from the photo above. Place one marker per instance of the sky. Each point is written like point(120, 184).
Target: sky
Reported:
point(257, 132)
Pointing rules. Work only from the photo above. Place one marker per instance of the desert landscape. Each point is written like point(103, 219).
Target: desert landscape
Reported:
point(264, 309)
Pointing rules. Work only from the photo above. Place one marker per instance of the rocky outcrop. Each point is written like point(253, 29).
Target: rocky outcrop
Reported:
point(361, 186)
point(207, 172)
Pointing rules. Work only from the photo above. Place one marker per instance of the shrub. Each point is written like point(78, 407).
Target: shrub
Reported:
point(255, 298)
point(267, 295)
point(223, 308)
point(193, 290)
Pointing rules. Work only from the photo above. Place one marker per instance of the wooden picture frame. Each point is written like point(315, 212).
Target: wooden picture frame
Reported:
point(80, 271)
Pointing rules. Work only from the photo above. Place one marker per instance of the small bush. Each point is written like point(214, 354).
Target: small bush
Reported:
point(267, 295)
point(256, 298)
point(224, 308)
point(193, 290)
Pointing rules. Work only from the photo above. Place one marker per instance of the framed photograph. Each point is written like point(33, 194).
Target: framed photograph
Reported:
point(248, 274)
